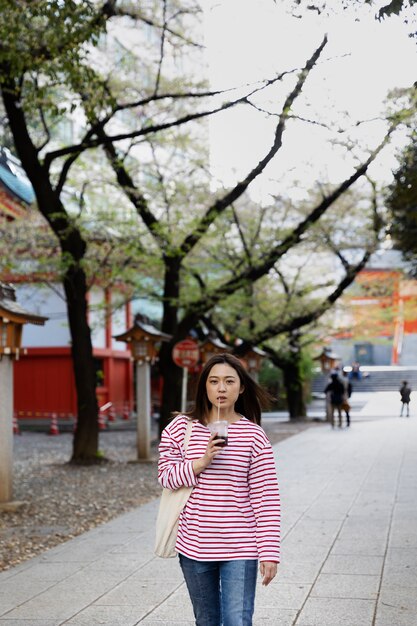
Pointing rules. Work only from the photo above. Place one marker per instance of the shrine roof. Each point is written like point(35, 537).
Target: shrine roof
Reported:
point(9, 307)
point(13, 180)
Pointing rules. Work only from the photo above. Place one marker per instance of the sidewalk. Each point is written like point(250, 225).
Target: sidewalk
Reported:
point(349, 544)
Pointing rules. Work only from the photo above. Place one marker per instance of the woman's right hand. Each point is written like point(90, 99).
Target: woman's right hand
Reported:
point(212, 450)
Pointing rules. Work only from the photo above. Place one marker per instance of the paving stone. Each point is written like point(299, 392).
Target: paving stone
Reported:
point(121, 564)
point(168, 609)
point(139, 592)
point(47, 572)
point(172, 622)
point(291, 571)
point(282, 595)
point(347, 564)
point(321, 532)
point(361, 547)
point(12, 595)
point(49, 606)
point(400, 556)
point(108, 616)
point(168, 569)
point(297, 550)
point(346, 586)
point(394, 616)
point(399, 596)
point(30, 622)
point(336, 612)
point(274, 617)
point(330, 509)
point(403, 534)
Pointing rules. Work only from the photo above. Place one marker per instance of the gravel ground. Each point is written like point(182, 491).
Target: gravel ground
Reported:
point(61, 501)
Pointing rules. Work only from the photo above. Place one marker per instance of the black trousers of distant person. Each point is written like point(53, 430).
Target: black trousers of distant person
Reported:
point(405, 404)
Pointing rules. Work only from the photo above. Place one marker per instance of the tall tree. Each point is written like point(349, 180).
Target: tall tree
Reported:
point(48, 73)
point(46, 62)
point(303, 286)
point(175, 253)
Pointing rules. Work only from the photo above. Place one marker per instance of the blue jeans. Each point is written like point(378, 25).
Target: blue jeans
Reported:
point(222, 592)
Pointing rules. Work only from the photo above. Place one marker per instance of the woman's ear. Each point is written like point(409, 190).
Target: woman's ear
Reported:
point(241, 390)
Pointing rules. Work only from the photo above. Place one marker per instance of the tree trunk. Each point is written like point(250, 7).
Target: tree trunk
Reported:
point(171, 391)
point(293, 383)
point(171, 373)
point(73, 249)
point(85, 444)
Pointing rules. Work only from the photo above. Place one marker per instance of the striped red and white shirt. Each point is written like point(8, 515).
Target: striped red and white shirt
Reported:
point(233, 511)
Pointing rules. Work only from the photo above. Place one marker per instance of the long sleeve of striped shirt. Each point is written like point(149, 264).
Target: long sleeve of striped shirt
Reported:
point(264, 499)
point(173, 470)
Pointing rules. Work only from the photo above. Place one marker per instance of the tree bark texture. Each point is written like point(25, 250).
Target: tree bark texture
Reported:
point(171, 373)
point(294, 387)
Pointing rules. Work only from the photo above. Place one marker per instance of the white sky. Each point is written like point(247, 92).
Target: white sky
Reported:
point(361, 62)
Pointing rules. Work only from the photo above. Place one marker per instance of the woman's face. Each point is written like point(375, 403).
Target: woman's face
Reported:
point(223, 386)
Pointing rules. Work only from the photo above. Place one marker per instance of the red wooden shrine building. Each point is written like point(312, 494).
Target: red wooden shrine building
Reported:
point(379, 315)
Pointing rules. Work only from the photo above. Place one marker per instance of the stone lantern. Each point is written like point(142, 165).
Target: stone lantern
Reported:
point(212, 346)
point(328, 360)
point(143, 339)
point(12, 318)
point(252, 360)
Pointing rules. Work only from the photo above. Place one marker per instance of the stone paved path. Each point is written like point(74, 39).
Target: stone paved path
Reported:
point(349, 544)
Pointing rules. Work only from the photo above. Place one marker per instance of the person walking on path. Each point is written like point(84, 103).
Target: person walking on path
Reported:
point(405, 392)
point(355, 372)
point(346, 395)
point(231, 521)
point(336, 390)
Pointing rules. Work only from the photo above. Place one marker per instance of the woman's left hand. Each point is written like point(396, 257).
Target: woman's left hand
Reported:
point(268, 571)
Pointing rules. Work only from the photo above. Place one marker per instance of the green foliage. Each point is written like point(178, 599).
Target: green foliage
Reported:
point(270, 377)
point(402, 202)
point(46, 36)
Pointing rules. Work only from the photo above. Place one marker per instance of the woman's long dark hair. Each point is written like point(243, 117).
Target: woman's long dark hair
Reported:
point(250, 402)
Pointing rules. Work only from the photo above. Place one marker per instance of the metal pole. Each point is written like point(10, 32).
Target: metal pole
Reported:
point(184, 389)
point(6, 428)
point(143, 407)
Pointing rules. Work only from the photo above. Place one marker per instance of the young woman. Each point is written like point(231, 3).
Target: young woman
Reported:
point(231, 520)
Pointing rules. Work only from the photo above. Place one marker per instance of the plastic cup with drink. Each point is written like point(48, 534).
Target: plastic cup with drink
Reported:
point(219, 428)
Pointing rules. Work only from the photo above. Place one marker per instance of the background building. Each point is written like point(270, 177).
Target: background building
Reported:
point(379, 315)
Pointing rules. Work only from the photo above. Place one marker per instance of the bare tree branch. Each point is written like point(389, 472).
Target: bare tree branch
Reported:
point(307, 318)
point(162, 45)
point(110, 9)
point(219, 206)
point(88, 143)
point(262, 268)
point(135, 196)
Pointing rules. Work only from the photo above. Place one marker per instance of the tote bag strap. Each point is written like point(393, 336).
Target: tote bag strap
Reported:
point(187, 434)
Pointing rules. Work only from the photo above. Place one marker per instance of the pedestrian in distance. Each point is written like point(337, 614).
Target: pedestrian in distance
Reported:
point(336, 390)
point(231, 521)
point(346, 395)
point(356, 371)
point(405, 393)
